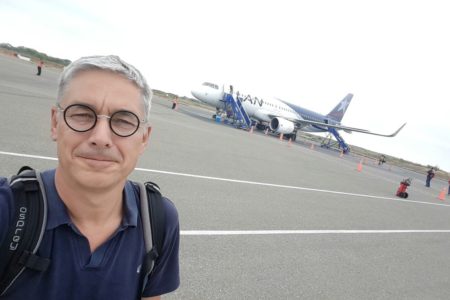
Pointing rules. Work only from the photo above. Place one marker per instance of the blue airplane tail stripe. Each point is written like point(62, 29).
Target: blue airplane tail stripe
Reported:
point(338, 112)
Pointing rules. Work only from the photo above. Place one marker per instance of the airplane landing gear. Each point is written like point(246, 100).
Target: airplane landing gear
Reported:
point(260, 126)
point(292, 136)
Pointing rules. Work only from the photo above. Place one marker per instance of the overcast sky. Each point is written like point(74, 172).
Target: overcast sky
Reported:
point(394, 56)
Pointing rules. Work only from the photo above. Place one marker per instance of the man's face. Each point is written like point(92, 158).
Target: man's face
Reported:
point(98, 158)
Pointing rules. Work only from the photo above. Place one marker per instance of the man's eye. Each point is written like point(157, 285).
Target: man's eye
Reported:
point(82, 117)
point(123, 122)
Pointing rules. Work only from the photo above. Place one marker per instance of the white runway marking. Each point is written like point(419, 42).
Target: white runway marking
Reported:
point(250, 182)
point(289, 187)
point(279, 232)
point(27, 155)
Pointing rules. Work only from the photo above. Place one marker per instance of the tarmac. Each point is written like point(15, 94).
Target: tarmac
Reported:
point(262, 218)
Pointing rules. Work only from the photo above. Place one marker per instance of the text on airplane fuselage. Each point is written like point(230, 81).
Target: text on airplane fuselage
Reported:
point(252, 100)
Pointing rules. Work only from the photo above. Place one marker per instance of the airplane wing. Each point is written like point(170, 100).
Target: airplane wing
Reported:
point(301, 122)
point(347, 129)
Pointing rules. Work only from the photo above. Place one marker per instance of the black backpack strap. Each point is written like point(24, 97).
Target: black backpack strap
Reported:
point(153, 222)
point(27, 228)
point(157, 215)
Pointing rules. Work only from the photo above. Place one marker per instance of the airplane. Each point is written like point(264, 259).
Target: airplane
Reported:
point(282, 117)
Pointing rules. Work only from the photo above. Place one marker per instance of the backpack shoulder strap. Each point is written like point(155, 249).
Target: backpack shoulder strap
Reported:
point(27, 228)
point(157, 215)
point(153, 222)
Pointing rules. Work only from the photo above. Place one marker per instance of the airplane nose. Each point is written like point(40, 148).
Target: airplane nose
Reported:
point(195, 93)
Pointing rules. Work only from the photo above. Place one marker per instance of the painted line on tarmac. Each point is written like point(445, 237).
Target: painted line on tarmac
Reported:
point(28, 155)
point(304, 232)
point(289, 187)
point(250, 182)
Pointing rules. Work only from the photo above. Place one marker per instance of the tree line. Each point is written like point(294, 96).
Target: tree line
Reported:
point(29, 52)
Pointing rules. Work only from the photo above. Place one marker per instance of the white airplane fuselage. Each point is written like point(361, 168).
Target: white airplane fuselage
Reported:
point(261, 110)
point(283, 117)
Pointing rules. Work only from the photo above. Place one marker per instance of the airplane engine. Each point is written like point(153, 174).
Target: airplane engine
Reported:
point(280, 125)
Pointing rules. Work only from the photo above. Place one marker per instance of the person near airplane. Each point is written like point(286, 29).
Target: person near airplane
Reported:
point(430, 175)
point(449, 187)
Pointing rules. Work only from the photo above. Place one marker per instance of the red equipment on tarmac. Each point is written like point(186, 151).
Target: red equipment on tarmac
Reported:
point(401, 191)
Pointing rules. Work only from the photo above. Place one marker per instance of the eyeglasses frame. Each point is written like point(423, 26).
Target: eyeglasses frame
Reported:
point(141, 123)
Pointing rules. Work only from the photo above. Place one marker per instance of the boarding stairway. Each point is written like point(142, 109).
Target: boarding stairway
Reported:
point(239, 112)
point(340, 141)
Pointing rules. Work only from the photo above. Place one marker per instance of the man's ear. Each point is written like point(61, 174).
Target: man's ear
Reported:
point(54, 124)
point(145, 138)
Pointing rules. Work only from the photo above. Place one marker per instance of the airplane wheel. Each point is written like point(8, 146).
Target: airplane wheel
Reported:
point(260, 126)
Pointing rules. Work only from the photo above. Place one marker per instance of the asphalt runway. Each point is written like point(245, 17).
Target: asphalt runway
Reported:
point(261, 219)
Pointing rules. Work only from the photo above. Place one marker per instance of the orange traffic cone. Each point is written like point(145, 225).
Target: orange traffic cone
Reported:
point(442, 195)
point(359, 168)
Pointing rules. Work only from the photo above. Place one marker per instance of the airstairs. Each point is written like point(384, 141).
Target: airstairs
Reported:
point(329, 142)
point(239, 112)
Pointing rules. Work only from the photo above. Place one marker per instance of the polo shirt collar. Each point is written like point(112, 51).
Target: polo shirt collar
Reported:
point(57, 210)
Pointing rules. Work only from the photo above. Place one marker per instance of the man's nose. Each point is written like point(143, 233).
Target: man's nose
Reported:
point(101, 134)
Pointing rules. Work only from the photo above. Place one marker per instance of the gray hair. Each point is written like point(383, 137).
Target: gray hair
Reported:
point(111, 63)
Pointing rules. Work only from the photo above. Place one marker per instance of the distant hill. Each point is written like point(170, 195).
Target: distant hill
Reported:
point(35, 55)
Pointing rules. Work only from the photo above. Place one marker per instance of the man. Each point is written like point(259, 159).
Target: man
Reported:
point(174, 102)
point(430, 175)
point(94, 233)
point(449, 187)
point(39, 67)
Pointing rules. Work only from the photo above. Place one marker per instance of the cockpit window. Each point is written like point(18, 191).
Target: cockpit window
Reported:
point(211, 85)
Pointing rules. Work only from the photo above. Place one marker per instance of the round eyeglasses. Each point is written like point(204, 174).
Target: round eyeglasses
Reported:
point(82, 118)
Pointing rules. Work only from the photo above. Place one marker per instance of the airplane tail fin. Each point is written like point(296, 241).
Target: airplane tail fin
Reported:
point(338, 112)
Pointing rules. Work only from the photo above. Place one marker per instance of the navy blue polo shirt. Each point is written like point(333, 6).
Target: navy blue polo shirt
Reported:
point(111, 271)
